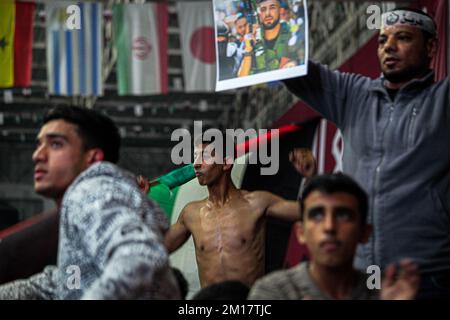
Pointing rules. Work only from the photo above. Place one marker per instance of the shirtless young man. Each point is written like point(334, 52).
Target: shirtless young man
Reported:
point(229, 227)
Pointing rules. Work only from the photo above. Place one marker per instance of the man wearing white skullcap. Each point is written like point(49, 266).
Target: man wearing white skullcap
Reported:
point(396, 132)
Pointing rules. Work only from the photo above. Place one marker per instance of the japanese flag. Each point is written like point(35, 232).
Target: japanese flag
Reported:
point(198, 45)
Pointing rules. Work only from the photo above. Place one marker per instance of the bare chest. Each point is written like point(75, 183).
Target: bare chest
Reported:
point(229, 228)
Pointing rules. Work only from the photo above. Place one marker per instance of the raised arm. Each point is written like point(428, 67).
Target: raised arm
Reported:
point(178, 233)
point(303, 161)
point(335, 95)
point(278, 207)
point(284, 209)
point(247, 57)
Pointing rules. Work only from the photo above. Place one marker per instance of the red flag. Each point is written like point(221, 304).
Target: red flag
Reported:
point(23, 43)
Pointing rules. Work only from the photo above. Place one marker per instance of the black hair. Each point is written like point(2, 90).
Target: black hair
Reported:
point(240, 16)
point(226, 140)
point(95, 129)
point(336, 182)
point(227, 290)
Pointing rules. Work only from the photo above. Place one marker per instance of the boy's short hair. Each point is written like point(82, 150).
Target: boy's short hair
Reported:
point(226, 140)
point(226, 290)
point(336, 182)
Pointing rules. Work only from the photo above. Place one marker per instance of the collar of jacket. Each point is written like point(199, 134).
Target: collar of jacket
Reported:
point(412, 86)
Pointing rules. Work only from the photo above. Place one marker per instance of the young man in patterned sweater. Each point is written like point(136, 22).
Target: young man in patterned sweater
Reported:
point(110, 235)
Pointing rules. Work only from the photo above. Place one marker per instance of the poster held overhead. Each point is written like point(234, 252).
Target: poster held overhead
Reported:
point(258, 41)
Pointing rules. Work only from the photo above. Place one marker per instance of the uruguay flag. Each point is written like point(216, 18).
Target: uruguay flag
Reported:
point(74, 56)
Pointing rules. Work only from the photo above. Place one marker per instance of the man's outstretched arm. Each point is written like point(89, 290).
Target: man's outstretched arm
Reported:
point(278, 207)
point(335, 95)
point(304, 163)
point(247, 57)
point(285, 209)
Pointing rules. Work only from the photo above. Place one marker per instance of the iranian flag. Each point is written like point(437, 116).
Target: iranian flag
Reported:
point(198, 45)
point(141, 41)
point(16, 38)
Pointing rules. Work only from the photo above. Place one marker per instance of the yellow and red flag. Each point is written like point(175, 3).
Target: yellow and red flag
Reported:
point(16, 38)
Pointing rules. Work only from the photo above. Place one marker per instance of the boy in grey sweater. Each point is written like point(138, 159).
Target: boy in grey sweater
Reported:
point(332, 223)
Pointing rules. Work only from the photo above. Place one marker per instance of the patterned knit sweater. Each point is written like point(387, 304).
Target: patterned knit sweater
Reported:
point(110, 244)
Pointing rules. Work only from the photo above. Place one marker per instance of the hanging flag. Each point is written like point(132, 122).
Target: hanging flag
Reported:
point(74, 56)
point(198, 45)
point(16, 38)
point(141, 41)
